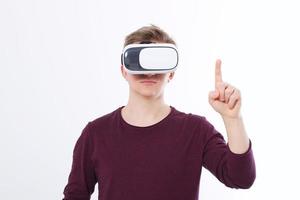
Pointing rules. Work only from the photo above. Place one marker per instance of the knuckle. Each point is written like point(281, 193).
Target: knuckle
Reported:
point(228, 91)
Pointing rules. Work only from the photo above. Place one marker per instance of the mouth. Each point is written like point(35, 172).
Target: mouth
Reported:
point(148, 81)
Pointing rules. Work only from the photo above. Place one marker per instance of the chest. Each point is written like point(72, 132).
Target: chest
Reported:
point(168, 157)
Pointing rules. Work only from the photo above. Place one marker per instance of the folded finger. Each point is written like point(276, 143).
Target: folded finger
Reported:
point(228, 92)
point(234, 98)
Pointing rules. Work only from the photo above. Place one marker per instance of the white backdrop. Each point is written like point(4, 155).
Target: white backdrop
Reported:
point(60, 68)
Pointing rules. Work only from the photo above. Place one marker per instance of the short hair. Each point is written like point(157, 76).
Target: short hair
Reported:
point(148, 34)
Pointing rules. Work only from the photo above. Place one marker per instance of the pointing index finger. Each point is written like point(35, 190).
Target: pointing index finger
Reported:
point(218, 72)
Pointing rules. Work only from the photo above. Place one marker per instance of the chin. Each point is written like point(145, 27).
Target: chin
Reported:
point(149, 93)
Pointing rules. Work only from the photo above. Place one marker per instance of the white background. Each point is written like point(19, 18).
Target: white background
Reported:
point(60, 68)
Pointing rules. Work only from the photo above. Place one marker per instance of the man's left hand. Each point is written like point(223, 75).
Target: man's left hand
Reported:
point(226, 99)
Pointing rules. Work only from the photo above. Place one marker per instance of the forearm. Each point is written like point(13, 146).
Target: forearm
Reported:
point(238, 140)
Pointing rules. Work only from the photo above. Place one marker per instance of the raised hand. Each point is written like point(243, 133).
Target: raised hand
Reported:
point(225, 99)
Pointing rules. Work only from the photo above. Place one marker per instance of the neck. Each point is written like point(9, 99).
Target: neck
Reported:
point(145, 105)
point(143, 111)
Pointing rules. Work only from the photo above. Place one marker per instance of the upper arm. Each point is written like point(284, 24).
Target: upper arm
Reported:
point(82, 178)
point(234, 170)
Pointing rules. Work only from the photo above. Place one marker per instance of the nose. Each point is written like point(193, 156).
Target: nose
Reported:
point(150, 74)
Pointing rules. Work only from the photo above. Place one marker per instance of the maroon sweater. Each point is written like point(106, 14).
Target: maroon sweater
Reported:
point(158, 162)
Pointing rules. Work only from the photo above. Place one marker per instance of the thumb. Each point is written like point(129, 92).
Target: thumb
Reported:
point(213, 95)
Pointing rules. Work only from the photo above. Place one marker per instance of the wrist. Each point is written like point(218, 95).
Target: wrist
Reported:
point(232, 119)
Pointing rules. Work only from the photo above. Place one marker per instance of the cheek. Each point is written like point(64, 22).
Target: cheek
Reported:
point(165, 79)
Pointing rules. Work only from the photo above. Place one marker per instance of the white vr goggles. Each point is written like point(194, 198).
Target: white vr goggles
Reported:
point(150, 58)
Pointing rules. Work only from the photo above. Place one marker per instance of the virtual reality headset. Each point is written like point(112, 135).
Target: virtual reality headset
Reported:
point(150, 58)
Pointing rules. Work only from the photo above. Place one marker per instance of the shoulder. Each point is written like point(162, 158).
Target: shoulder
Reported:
point(194, 125)
point(180, 115)
point(200, 124)
point(105, 120)
point(190, 118)
point(95, 127)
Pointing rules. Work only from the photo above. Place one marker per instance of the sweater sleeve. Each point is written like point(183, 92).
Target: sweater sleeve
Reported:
point(82, 178)
point(233, 170)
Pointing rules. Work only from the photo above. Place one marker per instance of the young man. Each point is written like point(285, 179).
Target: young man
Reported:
point(148, 150)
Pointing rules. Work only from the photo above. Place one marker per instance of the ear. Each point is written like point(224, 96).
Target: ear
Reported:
point(123, 71)
point(171, 75)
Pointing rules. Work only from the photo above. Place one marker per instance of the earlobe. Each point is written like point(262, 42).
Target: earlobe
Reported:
point(123, 71)
point(171, 76)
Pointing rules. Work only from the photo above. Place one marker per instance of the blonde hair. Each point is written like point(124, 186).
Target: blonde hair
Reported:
point(148, 34)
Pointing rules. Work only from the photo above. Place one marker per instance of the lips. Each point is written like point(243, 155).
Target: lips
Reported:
point(148, 81)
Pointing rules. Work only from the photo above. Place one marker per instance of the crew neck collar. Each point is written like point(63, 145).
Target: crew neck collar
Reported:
point(158, 124)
